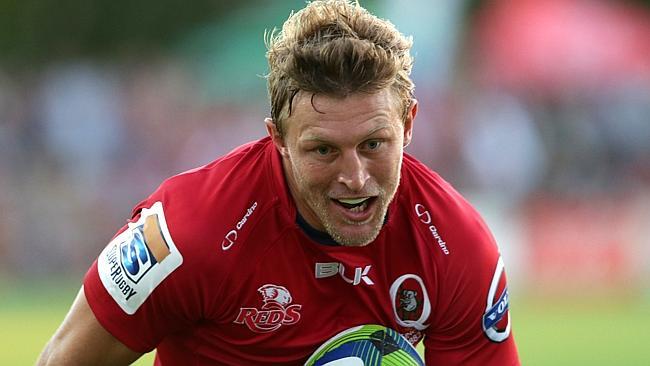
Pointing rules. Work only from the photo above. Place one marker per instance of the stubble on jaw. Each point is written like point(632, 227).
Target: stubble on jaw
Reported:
point(319, 208)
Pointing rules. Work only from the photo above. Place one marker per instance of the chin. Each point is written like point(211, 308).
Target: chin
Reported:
point(355, 238)
point(354, 244)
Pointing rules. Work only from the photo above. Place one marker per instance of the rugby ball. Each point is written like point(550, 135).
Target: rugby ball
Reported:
point(366, 345)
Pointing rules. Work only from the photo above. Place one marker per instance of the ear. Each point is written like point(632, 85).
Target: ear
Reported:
point(276, 137)
point(408, 122)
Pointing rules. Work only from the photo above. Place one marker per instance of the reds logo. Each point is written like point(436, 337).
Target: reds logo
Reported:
point(275, 312)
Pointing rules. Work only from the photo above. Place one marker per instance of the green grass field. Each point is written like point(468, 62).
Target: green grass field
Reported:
point(595, 331)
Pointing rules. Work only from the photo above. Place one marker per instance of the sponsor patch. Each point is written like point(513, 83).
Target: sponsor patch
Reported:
point(137, 260)
point(496, 319)
point(277, 310)
point(231, 237)
point(425, 217)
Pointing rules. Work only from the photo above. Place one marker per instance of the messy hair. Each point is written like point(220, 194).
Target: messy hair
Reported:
point(337, 48)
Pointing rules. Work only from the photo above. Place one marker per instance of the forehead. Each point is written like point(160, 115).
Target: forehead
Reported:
point(317, 112)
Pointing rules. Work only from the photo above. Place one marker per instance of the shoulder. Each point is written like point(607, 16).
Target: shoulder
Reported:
point(206, 209)
point(435, 203)
point(219, 191)
point(220, 181)
point(468, 267)
point(463, 249)
point(184, 233)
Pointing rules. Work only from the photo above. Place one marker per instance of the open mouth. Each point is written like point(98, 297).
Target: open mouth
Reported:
point(355, 204)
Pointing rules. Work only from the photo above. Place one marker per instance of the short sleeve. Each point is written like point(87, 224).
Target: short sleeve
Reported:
point(472, 324)
point(137, 286)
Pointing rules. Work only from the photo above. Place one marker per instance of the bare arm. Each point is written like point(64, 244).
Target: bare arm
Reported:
point(81, 340)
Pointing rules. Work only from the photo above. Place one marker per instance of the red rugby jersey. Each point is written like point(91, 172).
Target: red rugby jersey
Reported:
point(213, 269)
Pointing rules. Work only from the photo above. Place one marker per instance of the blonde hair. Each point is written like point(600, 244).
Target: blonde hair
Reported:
point(336, 47)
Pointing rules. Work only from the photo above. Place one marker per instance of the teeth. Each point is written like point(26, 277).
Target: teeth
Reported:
point(359, 208)
point(353, 201)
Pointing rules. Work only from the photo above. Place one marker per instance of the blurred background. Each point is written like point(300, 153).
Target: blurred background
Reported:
point(537, 110)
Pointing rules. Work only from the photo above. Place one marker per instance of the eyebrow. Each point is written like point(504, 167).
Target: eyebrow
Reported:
point(377, 129)
point(314, 138)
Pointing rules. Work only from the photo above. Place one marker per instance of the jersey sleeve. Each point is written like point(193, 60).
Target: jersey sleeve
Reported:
point(472, 318)
point(137, 286)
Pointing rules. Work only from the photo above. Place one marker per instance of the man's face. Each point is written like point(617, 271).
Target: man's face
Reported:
point(342, 160)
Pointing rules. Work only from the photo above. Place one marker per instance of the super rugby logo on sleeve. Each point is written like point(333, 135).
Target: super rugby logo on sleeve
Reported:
point(137, 260)
point(496, 319)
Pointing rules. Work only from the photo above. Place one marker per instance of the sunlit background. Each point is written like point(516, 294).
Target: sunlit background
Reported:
point(537, 110)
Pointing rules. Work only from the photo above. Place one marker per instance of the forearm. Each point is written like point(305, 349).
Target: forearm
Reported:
point(81, 340)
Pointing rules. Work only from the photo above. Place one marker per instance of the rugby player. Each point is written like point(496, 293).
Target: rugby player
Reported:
point(264, 254)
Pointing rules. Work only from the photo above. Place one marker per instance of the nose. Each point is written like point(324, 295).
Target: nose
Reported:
point(353, 172)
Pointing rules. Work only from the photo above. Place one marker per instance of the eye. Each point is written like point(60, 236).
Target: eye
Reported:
point(323, 150)
point(373, 144)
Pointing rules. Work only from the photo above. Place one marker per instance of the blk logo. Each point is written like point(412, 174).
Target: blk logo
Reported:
point(324, 270)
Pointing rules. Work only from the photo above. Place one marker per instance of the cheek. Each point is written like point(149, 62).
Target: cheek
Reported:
point(386, 169)
point(311, 174)
point(384, 173)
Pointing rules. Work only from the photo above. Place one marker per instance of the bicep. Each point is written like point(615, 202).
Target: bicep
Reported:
point(475, 320)
point(81, 340)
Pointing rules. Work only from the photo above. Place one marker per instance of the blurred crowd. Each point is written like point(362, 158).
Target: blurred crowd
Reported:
point(83, 140)
point(82, 143)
